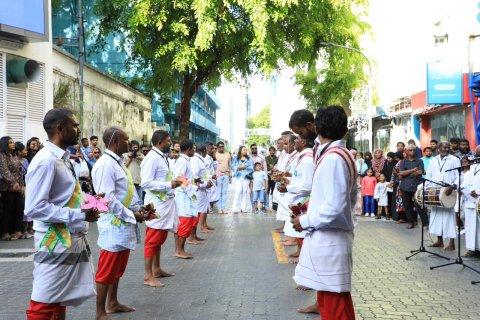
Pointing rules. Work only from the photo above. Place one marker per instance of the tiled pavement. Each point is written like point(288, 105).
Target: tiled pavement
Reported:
point(235, 275)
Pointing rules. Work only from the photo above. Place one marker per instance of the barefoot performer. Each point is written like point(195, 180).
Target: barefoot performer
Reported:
point(325, 262)
point(160, 187)
point(202, 203)
point(213, 193)
point(298, 188)
point(63, 273)
point(117, 229)
point(184, 196)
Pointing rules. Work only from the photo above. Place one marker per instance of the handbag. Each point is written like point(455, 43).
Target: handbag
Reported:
point(249, 176)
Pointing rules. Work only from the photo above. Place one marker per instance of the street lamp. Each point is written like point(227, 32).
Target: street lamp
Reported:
point(369, 107)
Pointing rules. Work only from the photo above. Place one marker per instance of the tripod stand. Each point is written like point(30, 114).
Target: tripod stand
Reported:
point(422, 246)
point(459, 259)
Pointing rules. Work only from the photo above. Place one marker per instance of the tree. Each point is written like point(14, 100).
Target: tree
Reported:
point(260, 121)
point(185, 44)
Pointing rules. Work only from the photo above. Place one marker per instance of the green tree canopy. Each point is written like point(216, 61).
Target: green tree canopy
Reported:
point(260, 121)
point(185, 44)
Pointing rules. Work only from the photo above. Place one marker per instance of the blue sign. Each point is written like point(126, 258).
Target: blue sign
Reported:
point(444, 83)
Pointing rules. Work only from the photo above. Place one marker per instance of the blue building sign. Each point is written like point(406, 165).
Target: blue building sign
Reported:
point(444, 83)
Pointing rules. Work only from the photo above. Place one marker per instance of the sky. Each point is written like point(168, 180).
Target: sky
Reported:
point(399, 46)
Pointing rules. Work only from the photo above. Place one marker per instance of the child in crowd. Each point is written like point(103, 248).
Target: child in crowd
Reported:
point(381, 195)
point(369, 182)
point(259, 187)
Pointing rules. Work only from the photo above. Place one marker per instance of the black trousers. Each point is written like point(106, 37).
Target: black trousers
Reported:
point(412, 208)
point(12, 216)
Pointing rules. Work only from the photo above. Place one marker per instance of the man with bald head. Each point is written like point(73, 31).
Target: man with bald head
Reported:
point(471, 192)
point(117, 228)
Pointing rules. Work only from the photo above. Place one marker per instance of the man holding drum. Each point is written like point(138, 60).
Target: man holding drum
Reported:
point(442, 220)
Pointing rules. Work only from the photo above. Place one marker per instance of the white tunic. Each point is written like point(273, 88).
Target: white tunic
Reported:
point(325, 262)
point(213, 192)
point(184, 195)
point(157, 182)
point(49, 186)
point(472, 220)
point(442, 220)
point(283, 213)
point(381, 194)
point(199, 170)
point(110, 176)
point(299, 187)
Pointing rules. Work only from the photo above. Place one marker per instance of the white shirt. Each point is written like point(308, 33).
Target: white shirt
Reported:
point(183, 168)
point(438, 170)
point(199, 169)
point(331, 200)
point(109, 176)
point(171, 163)
point(282, 160)
point(471, 183)
point(300, 184)
point(49, 186)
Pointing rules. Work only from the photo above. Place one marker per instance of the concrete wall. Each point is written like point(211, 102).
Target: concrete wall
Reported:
point(107, 102)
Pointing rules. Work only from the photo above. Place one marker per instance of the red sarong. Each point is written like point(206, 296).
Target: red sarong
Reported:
point(185, 226)
point(111, 266)
point(335, 306)
point(44, 311)
point(154, 239)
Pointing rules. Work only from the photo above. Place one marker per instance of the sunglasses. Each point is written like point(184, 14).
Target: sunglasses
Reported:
point(96, 153)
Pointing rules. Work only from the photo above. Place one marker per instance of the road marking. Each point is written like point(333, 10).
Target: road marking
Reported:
point(16, 255)
point(279, 249)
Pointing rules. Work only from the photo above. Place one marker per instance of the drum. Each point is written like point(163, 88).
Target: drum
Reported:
point(436, 197)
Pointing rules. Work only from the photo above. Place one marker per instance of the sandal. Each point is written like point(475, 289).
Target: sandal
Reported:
point(6, 237)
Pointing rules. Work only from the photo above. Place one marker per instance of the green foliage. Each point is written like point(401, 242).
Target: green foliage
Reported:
point(259, 140)
point(184, 44)
point(62, 97)
point(261, 120)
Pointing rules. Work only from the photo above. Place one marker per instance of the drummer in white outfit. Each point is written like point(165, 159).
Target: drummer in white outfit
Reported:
point(159, 185)
point(199, 170)
point(442, 220)
point(53, 195)
point(325, 262)
point(299, 186)
point(471, 193)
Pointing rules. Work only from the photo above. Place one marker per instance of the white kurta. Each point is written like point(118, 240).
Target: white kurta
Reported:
point(109, 176)
point(325, 262)
point(183, 195)
point(299, 187)
point(213, 192)
point(472, 220)
point(157, 183)
point(282, 213)
point(64, 276)
point(442, 220)
point(199, 170)
point(381, 194)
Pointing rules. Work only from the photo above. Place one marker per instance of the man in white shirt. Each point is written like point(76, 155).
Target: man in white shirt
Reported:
point(213, 194)
point(117, 229)
point(471, 192)
point(325, 262)
point(159, 185)
point(256, 157)
point(184, 198)
point(442, 220)
point(62, 275)
point(133, 160)
point(283, 158)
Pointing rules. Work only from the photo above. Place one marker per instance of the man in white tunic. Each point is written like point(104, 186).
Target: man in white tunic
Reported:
point(298, 187)
point(62, 274)
point(184, 198)
point(325, 262)
point(213, 192)
point(283, 158)
point(159, 185)
point(471, 192)
point(117, 228)
point(442, 220)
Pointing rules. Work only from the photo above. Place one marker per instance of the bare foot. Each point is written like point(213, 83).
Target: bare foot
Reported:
point(183, 255)
point(310, 309)
point(162, 273)
point(210, 228)
point(152, 282)
point(293, 260)
point(200, 239)
point(294, 255)
point(119, 308)
point(436, 245)
point(194, 242)
point(450, 247)
point(205, 231)
point(302, 288)
point(103, 317)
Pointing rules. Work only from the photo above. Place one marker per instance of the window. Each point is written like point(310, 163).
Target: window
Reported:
point(441, 40)
point(141, 115)
point(448, 125)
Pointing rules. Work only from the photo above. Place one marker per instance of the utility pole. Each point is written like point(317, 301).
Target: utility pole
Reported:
point(80, 58)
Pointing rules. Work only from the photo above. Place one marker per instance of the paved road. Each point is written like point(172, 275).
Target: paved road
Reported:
point(236, 275)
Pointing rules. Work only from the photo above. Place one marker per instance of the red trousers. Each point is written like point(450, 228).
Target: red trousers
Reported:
point(335, 306)
point(44, 311)
point(185, 226)
point(154, 239)
point(111, 266)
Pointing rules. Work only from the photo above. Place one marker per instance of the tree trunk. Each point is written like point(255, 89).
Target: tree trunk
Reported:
point(184, 120)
